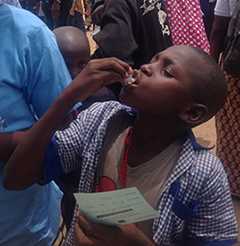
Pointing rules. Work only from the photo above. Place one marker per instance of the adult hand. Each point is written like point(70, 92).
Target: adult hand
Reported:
point(97, 74)
point(105, 71)
point(91, 234)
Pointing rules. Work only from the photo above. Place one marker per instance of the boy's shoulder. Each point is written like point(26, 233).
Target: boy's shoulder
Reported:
point(202, 159)
point(208, 163)
point(204, 172)
point(103, 111)
point(198, 192)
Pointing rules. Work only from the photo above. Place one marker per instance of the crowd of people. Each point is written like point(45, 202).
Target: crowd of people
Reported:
point(70, 120)
point(60, 13)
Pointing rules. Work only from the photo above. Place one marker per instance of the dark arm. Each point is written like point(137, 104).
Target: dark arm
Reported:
point(26, 166)
point(8, 143)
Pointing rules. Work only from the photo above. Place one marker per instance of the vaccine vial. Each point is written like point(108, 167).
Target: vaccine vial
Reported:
point(130, 80)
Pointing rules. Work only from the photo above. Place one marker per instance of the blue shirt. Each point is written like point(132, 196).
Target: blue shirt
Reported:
point(32, 75)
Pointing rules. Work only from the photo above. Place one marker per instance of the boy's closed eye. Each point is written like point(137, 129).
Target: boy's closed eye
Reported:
point(168, 72)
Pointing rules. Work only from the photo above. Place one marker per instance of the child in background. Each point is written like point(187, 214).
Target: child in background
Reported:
point(74, 46)
point(76, 14)
point(153, 149)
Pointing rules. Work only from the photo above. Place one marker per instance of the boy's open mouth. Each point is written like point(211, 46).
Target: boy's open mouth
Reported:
point(131, 80)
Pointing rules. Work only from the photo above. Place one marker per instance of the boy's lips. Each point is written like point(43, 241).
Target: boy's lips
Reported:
point(132, 80)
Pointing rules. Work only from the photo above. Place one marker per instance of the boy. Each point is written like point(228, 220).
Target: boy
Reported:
point(74, 46)
point(153, 149)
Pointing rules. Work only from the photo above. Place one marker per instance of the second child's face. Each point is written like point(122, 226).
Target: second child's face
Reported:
point(162, 86)
point(76, 62)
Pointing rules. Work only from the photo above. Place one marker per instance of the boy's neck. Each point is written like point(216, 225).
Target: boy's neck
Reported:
point(151, 136)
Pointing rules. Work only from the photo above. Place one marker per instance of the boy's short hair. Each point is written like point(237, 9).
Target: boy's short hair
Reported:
point(71, 38)
point(209, 87)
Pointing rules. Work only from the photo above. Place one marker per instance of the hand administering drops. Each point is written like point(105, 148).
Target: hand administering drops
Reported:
point(131, 78)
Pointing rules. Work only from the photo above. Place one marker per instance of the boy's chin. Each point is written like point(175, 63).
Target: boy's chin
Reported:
point(127, 97)
point(124, 97)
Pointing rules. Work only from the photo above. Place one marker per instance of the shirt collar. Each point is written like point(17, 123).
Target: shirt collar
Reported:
point(196, 146)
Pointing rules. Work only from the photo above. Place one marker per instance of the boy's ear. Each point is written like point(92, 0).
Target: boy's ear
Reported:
point(194, 115)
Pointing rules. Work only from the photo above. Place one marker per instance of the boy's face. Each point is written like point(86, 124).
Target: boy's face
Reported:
point(163, 86)
point(76, 61)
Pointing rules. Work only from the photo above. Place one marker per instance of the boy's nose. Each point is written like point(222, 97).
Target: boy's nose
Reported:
point(146, 69)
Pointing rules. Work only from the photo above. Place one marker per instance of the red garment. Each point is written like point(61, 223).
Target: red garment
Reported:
point(107, 183)
point(186, 23)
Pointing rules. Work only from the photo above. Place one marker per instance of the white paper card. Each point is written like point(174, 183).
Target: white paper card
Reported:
point(124, 206)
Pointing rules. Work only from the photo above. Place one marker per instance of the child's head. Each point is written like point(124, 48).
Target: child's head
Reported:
point(181, 83)
point(74, 46)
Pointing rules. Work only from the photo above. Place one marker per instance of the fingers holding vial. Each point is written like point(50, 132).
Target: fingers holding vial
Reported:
point(131, 78)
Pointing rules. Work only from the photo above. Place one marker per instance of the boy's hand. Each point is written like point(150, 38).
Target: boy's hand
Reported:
point(91, 234)
point(97, 74)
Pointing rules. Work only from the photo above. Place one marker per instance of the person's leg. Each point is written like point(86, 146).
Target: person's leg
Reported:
point(80, 21)
point(65, 6)
point(47, 10)
point(70, 20)
point(208, 11)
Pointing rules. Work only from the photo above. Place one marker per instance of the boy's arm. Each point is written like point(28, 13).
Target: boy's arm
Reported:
point(215, 221)
point(31, 149)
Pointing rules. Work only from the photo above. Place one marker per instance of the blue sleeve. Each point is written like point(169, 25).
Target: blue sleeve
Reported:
point(64, 153)
point(47, 72)
point(52, 168)
point(198, 242)
point(215, 221)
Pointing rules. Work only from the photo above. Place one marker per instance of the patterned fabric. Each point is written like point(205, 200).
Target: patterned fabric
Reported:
point(186, 23)
point(228, 134)
point(149, 6)
point(195, 207)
